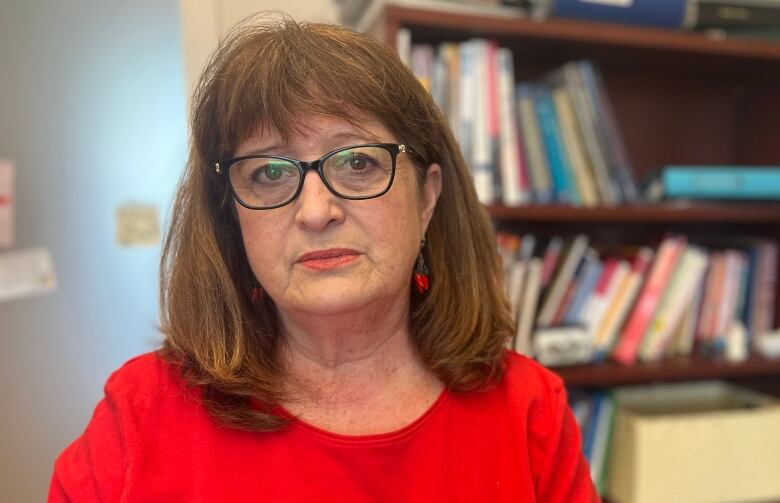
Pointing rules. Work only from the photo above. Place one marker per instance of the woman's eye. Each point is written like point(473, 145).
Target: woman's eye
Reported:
point(270, 172)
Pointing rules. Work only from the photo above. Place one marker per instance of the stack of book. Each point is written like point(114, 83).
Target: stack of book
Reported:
point(553, 140)
point(638, 303)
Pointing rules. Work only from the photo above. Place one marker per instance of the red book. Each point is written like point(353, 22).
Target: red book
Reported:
point(666, 261)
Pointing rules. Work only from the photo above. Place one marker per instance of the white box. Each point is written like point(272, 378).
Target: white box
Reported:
point(694, 442)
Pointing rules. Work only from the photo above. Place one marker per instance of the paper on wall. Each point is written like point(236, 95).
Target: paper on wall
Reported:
point(26, 272)
point(6, 204)
point(137, 225)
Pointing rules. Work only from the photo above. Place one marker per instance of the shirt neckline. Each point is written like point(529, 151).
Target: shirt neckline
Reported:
point(370, 439)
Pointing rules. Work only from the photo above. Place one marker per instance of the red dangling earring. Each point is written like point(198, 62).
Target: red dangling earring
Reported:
point(421, 273)
point(257, 293)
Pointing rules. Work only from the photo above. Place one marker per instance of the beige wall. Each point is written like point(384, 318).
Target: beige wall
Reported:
point(204, 21)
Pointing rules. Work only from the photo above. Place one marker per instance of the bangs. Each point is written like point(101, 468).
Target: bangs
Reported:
point(271, 76)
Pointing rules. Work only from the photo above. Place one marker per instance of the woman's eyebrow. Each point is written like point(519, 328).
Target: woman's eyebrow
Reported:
point(334, 141)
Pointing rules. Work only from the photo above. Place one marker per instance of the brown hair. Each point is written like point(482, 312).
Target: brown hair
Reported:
point(267, 74)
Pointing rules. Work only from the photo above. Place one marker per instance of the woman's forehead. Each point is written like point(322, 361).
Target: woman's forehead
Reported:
point(316, 131)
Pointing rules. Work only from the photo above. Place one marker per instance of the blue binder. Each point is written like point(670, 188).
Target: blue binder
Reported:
point(722, 182)
point(660, 13)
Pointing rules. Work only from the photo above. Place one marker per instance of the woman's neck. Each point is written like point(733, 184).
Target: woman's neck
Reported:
point(347, 373)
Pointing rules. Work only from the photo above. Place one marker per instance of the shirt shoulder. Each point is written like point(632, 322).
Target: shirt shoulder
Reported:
point(525, 376)
point(146, 383)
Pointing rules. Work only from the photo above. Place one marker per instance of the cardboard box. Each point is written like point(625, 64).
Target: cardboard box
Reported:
point(694, 442)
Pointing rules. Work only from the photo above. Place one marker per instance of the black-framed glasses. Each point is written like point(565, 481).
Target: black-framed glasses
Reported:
point(264, 182)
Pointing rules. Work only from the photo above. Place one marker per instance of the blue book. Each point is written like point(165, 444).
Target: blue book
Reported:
point(590, 276)
point(588, 436)
point(563, 185)
point(606, 129)
point(721, 182)
point(660, 13)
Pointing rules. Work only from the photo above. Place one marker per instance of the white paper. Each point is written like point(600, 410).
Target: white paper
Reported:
point(27, 272)
point(137, 225)
point(6, 204)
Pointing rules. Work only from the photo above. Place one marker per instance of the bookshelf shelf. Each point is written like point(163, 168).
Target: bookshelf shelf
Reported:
point(612, 36)
point(612, 374)
point(671, 212)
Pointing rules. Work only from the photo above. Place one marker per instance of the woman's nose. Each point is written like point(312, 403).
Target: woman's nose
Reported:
point(317, 207)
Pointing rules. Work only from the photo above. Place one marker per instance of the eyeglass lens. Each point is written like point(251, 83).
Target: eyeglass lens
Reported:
point(265, 181)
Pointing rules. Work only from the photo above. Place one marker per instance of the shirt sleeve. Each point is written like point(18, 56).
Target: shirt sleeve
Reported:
point(561, 471)
point(92, 468)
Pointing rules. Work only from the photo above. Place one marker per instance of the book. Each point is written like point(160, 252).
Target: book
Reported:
point(679, 296)
point(561, 279)
point(660, 13)
point(514, 181)
point(582, 173)
point(618, 309)
point(735, 14)
point(590, 275)
point(560, 170)
point(533, 150)
point(721, 182)
point(586, 120)
point(482, 138)
point(528, 304)
point(642, 314)
point(608, 132)
point(613, 272)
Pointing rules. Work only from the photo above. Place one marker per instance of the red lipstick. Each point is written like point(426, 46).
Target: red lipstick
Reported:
point(322, 260)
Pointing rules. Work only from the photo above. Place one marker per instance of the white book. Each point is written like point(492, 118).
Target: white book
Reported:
point(403, 45)
point(467, 98)
point(513, 193)
point(515, 286)
point(528, 302)
point(679, 295)
point(481, 148)
point(597, 304)
point(685, 335)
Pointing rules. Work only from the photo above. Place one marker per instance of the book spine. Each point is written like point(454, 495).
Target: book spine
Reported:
point(609, 132)
point(660, 13)
point(533, 146)
point(573, 148)
point(624, 299)
point(513, 181)
point(585, 119)
point(727, 14)
point(642, 314)
point(563, 186)
point(561, 280)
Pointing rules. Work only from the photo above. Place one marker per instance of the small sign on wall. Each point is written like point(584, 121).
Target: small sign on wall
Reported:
point(24, 273)
point(137, 225)
point(6, 204)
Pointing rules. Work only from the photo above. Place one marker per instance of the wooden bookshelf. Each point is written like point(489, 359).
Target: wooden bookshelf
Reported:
point(678, 98)
point(611, 374)
point(706, 213)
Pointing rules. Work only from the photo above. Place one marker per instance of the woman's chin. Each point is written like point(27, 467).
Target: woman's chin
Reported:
point(336, 296)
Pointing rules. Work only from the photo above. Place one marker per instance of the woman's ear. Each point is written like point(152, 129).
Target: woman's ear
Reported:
point(430, 194)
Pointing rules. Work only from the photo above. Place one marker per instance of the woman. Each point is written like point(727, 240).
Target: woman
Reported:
point(332, 306)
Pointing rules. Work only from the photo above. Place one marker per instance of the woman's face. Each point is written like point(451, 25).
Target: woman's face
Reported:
point(322, 254)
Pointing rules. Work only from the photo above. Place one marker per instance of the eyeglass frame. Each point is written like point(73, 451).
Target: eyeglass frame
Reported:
point(223, 168)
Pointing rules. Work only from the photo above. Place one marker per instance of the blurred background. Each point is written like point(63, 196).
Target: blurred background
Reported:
point(93, 98)
point(573, 116)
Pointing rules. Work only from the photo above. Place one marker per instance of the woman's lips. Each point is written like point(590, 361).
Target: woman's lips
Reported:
point(330, 258)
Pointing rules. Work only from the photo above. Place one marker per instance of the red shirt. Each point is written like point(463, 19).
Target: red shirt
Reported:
point(150, 440)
